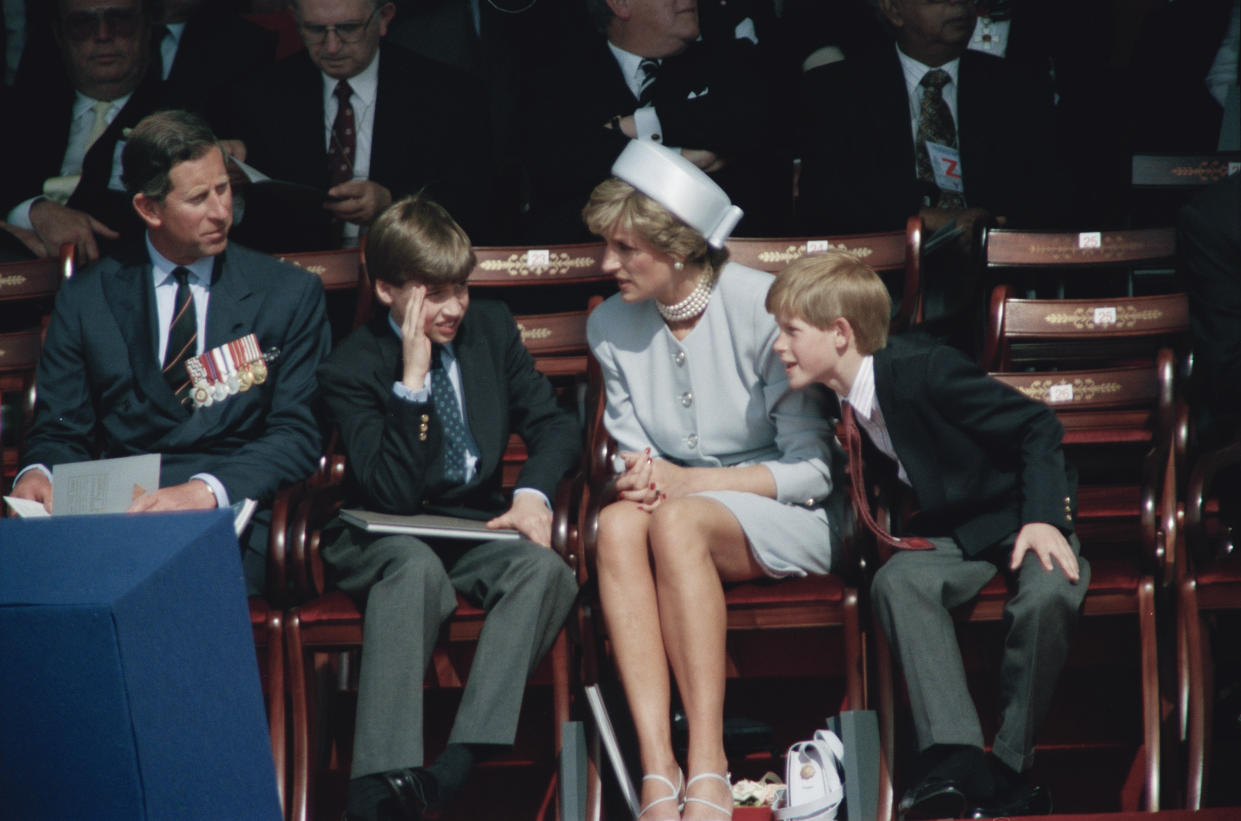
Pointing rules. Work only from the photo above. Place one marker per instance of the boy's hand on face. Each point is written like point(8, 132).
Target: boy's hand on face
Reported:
point(415, 344)
point(529, 516)
point(1049, 544)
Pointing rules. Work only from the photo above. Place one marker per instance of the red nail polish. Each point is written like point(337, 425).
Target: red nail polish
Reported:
point(652, 485)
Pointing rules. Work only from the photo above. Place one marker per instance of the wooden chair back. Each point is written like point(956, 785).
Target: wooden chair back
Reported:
point(1162, 183)
point(28, 288)
point(1208, 587)
point(894, 255)
point(1060, 263)
point(1081, 332)
point(347, 289)
point(1182, 171)
point(541, 279)
point(19, 357)
point(36, 278)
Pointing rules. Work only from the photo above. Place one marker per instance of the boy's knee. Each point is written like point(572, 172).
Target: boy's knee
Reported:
point(544, 564)
point(893, 579)
point(1050, 591)
point(404, 555)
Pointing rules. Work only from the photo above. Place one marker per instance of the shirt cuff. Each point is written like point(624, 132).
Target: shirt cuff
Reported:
point(408, 394)
point(646, 122)
point(41, 468)
point(20, 215)
point(217, 488)
point(536, 492)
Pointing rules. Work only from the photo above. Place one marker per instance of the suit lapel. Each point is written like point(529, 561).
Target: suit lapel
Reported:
point(895, 417)
point(481, 402)
point(232, 306)
point(973, 95)
point(303, 154)
point(882, 98)
point(393, 142)
point(130, 294)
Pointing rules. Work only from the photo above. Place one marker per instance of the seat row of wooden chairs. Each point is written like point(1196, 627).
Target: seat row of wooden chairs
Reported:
point(297, 621)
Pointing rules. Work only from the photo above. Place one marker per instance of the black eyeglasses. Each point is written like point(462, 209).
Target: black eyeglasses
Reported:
point(351, 32)
point(83, 25)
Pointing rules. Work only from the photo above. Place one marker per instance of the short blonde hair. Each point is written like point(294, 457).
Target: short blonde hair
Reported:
point(416, 239)
point(823, 288)
point(617, 204)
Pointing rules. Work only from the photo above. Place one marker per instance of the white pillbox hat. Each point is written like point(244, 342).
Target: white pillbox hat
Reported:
point(680, 186)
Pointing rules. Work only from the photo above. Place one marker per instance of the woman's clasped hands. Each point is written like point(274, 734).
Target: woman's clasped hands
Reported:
point(648, 480)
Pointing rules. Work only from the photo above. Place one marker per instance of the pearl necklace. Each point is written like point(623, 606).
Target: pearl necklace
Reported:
point(691, 306)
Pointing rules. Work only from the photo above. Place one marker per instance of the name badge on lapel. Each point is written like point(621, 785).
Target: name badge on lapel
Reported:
point(228, 370)
point(946, 163)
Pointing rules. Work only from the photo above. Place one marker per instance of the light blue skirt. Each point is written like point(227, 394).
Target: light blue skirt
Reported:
point(787, 540)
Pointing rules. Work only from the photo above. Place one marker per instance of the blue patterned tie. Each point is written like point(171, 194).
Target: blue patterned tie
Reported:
point(455, 435)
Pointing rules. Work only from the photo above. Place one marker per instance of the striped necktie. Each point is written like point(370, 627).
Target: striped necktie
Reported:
point(182, 333)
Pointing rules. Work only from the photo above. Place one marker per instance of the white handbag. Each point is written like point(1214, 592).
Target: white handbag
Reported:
point(813, 789)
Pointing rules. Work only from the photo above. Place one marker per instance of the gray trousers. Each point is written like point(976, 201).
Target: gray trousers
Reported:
point(913, 594)
point(408, 590)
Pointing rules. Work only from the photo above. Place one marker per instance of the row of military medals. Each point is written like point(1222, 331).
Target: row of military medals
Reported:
point(227, 370)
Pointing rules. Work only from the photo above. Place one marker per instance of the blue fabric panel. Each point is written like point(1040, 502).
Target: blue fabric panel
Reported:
point(66, 739)
point(96, 558)
point(188, 706)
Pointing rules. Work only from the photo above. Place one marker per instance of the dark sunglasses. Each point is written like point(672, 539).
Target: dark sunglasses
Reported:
point(83, 25)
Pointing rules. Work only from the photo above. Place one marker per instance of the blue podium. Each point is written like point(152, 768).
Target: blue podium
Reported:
point(128, 683)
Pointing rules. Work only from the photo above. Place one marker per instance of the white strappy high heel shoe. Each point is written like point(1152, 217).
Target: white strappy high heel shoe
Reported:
point(675, 792)
point(726, 812)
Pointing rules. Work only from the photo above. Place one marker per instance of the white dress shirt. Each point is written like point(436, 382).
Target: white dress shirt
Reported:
point(868, 415)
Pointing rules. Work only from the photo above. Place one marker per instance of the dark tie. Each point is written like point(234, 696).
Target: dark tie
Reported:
point(935, 124)
point(182, 333)
point(455, 436)
point(650, 70)
point(344, 138)
point(857, 488)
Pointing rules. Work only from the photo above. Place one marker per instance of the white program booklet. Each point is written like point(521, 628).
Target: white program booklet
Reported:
point(107, 486)
point(100, 486)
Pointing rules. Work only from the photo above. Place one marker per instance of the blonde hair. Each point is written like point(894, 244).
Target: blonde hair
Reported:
point(416, 239)
point(823, 288)
point(617, 204)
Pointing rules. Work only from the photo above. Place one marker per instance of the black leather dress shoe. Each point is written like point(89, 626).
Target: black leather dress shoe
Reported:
point(933, 797)
point(1020, 799)
point(415, 791)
